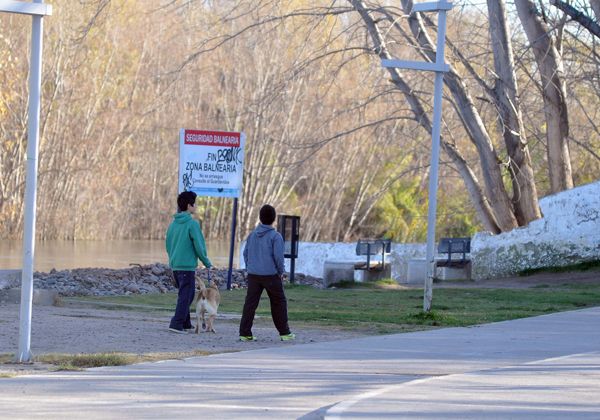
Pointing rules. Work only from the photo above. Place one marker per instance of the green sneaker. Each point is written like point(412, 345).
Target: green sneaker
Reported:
point(247, 338)
point(288, 337)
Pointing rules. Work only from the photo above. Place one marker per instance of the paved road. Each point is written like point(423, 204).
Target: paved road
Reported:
point(547, 366)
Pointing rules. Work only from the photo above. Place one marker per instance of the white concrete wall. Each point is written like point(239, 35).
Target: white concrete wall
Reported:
point(568, 233)
point(312, 257)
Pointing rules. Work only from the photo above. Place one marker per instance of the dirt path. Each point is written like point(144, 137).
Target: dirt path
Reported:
point(72, 329)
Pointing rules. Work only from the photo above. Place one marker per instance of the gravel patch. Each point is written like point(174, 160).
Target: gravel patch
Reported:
point(138, 279)
point(72, 329)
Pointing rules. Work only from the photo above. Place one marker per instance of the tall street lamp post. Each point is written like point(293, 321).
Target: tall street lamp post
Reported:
point(439, 67)
point(37, 10)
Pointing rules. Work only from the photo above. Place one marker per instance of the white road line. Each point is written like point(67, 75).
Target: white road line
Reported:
point(334, 412)
point(554, 359)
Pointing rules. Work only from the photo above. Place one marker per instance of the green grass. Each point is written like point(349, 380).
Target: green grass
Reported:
point(350, 284)
point(75, 362)
point(81, 361)
point(153, 302)
point(593, 265)
point(365, 308)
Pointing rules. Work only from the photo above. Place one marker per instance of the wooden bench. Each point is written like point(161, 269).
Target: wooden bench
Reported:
point(371, 248)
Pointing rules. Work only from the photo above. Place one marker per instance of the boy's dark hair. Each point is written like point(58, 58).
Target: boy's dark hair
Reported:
point(185, 198)
point(267, 214)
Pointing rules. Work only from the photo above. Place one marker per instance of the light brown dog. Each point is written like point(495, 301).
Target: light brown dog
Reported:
point(207, 304)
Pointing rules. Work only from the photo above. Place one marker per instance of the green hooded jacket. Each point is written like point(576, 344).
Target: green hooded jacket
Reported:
point(185, 243)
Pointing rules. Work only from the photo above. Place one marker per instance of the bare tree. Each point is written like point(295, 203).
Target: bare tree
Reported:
point(330, 134)
point(506, 93)
point(500, 205)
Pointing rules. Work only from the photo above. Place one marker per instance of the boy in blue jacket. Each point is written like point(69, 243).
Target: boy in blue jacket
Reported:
point(185, 245)
point(263, 256)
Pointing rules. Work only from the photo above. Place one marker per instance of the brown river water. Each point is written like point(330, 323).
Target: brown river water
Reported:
point(62, 255)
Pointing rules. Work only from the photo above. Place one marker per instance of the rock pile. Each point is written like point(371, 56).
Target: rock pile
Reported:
point(153, 278)
point(139, 279)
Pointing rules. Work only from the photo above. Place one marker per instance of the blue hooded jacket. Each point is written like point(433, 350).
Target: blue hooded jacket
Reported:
point(263, 253)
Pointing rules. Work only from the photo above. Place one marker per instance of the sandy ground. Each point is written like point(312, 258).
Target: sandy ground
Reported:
point(83, 329)
point(76, 329)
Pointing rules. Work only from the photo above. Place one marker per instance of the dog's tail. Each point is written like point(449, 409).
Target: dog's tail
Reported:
point(201, 288)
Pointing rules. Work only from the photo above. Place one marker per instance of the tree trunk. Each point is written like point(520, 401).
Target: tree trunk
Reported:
point(506, 98)
point(550, 66)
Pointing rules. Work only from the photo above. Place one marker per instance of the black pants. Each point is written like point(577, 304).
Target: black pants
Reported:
point(185, 296)
point(274, 287)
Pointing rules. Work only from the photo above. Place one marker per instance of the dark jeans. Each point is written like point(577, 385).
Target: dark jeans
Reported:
point(187, 288)
point(274, 287)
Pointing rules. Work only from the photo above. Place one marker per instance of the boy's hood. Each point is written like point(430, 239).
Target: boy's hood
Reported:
point(262, 230)
point(182, 217)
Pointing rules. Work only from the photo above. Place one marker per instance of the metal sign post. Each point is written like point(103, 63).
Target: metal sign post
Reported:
point(439, 67)
point(232, 243)
point(37, 11)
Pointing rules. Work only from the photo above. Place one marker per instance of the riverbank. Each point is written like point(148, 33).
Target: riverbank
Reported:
point(138, 279)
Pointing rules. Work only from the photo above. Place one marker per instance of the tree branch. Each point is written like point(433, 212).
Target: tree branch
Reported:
point(578, 16)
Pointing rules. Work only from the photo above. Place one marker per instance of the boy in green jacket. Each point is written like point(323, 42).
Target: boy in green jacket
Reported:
point(185, 245)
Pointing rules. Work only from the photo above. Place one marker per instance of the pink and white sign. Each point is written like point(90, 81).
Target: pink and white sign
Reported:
point(211, 163)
